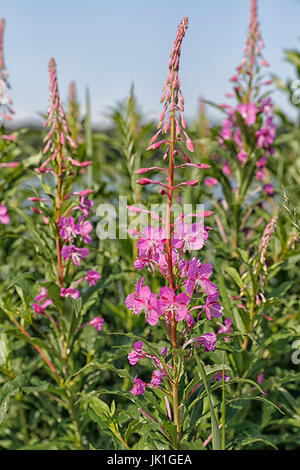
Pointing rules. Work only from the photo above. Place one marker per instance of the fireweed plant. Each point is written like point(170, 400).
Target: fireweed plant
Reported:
point(188, 294)
point(215, 341)
point(63, 241)
point(246, 139)
point(6, 113)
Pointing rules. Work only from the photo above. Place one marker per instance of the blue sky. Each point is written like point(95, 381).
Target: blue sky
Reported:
point(107, 45)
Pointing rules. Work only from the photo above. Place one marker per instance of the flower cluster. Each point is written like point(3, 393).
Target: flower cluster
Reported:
point(161, 248)
point(70, 210)
point(249, 126)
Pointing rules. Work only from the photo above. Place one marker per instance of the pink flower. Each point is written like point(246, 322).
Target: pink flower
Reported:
point(238, 139)
point(190, 321)
point(248, 112)
point(189, 237)
point(4, 217)
point(143, 299)
point(83, 228)
point(210, 181)
point(208, 340)
point(40, 308)
point(97, 323)
point(242, 157)
point(139, 387)
point(226, 168)
point(162, 261)
point(92, 277)
point(198, 274)
point(226, 328)
point(85, 205)
point(42, 295)
point(76, 254)
point(170, 303)
point(213, 308)
point(260, 378)
point(152, 243)
point(260, 174)
point(67, 228)
point(70, 292)
point(219, 377)
point(226, 132)
point(261, 163)
point(157, 377)
point(266, 135)
point(269, 189)
point(137, 353)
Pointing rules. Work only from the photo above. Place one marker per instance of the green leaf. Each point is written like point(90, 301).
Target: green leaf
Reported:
point(100, 408)
point(123, 373)
point(235, 275)
point(8, 390)
point(216, 435)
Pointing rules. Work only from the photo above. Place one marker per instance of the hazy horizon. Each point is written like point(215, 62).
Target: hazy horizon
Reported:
point(109, 46)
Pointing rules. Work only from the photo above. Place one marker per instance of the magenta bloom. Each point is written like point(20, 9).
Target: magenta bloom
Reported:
point(242, 157)
point(83, 228)
point(208, 340)
point(43, 301)
point(4, 217)
point(213, 308)
point(97, 323)
point(162, 261)
point(143, 299)
point(266, 135)
point(248, 112)
point(190, 321)
point(42, 295)
point(139, 387)
point(67, 228)
point(76, 254)
point(260, 378)
point(219, 377)
point(92, 277)
point(152, 243)
point(269, 189)
point(226, 132)
point(189, 237)
point(170, 303)
point(40, 308)
point(70, 292)
point(137, 353)
point(85, 206)
point(260, 174)
point(157, 377)
point(226, 328)
point(226, 169)
point(198, 275)
point(261, 163)
point(210, 181)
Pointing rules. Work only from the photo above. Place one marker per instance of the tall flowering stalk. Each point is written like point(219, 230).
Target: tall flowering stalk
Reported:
point(6, 110)
point(161, 250)
point(65, 231)
point(6, 113)
point(248, 131)
point(73, 115)
point(59, 143)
